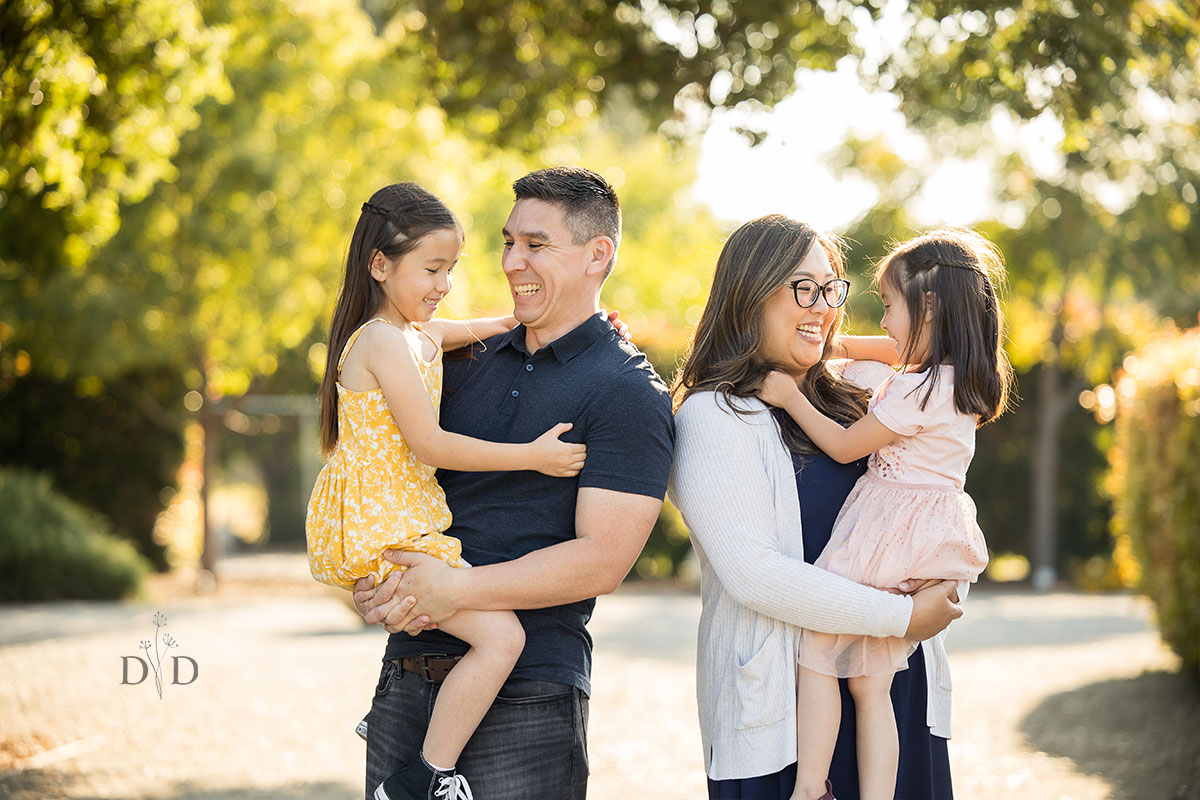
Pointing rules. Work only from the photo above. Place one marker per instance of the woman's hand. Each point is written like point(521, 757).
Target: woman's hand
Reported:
point(551, 456)
point(778, 389)
point(934, 607)
point(616, 322)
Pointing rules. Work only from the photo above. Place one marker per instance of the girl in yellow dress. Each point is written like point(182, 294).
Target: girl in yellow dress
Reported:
point(379, 427)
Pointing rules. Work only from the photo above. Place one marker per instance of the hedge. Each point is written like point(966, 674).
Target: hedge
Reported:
point(1155, 482)
point(52, 548)
point(110, 446)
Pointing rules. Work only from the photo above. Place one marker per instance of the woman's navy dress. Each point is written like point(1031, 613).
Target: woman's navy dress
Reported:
point(924, 772)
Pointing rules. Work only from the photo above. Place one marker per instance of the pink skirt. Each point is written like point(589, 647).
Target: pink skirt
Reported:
point(888, 532)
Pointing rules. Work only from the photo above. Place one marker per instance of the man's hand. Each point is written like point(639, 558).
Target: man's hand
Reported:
point(378, 604)
point(934, 607)
point(432, 582)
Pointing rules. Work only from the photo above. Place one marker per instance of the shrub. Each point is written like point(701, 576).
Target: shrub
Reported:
point(1155, 482)
point(667, 546)
point(110, 445)
point(52, 548)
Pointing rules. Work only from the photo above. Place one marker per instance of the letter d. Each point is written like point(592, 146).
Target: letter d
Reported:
point(125, 670)
point(195, 670)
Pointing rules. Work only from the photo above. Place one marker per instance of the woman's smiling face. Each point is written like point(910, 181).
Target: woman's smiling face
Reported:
point(794, 337)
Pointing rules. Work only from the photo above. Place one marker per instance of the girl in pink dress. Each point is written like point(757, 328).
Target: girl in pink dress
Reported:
point(907, 518)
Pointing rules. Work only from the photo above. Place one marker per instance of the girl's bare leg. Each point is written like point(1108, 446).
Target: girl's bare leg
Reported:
point(496, 639)
point(878, 742)
point(818, 716)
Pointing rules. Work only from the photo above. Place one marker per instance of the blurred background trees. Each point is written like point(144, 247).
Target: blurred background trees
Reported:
point(179, 181)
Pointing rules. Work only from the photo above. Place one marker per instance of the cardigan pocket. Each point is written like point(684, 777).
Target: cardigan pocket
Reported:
point(764, 684)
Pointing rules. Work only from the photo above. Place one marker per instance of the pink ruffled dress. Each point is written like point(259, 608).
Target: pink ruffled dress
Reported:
point(907, 517)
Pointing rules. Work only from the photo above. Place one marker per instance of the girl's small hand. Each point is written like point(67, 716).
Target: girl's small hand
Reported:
point(556, 458)
point(778, 389)
point(622, 328)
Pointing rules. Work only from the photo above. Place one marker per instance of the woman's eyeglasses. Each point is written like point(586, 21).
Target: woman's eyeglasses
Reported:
point(806, 291)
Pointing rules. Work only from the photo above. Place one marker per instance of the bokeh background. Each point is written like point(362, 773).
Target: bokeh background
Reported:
point(178, 181)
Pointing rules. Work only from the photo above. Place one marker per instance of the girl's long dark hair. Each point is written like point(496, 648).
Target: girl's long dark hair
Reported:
point(724, 352)
point(954, 273)
point(392, 223)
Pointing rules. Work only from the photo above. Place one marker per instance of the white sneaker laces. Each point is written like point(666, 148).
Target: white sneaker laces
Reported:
point(453, 787)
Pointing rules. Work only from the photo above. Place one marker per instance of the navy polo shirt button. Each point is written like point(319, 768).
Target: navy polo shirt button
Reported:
point(529, 367)
point(515, 393)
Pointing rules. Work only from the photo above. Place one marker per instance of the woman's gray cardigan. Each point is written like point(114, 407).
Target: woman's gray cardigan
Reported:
point(734, 483)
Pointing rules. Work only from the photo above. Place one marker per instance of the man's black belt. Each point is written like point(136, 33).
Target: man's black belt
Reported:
point(432, 667)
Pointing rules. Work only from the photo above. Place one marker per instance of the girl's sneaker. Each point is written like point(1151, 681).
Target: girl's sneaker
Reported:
point(419, 781)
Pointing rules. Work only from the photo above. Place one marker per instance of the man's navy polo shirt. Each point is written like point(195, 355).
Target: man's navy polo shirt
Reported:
point(620, 409)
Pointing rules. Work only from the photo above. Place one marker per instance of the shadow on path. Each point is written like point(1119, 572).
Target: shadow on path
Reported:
point(1139, 734)
point(44, 784)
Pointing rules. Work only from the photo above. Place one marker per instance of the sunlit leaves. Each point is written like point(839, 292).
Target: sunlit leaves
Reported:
point(1121, 79)
point(93, 99)
point(523, 72)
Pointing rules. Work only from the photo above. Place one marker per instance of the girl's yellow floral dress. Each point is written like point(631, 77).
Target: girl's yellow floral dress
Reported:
point(373, 494)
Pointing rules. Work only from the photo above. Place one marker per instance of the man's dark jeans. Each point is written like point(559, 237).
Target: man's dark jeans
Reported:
point(531, 745)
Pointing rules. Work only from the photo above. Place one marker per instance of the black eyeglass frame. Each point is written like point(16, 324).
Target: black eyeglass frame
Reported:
point(822, 291)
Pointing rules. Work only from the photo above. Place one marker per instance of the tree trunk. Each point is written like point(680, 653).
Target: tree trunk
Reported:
point(1052, 404)
point(211, 423)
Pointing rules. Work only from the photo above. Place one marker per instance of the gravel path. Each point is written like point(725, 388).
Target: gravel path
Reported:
point(1056, 696)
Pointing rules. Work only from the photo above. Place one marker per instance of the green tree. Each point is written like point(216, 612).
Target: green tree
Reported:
point(93, 99)
point(234, 262)
point(525, 72)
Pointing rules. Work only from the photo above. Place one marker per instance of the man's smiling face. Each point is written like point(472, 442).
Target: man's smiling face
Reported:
point(546, 269)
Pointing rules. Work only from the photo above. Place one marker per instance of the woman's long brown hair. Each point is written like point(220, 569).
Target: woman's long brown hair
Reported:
point(724, 354)
point(392, 223)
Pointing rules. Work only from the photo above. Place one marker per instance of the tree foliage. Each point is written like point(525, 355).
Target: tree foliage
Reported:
point(522, 72)
point(93, 98)
point(1116, 89)
point(237, 256)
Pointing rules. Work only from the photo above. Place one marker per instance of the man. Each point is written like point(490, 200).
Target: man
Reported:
point(544, 547)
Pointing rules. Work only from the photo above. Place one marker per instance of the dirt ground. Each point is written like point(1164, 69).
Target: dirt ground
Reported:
point(1060, 696)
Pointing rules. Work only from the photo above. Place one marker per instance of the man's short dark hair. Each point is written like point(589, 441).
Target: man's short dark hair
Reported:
point(589, 205)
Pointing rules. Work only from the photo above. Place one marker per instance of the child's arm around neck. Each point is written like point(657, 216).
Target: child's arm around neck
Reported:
point(841, 444)
point(390, 360)
point(454, 333)
point(866, 348)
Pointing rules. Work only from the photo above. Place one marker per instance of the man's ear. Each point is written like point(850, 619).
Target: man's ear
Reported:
point(601, 251)
point(379, 266)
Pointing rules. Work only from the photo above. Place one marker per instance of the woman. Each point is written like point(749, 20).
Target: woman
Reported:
point(760, 501)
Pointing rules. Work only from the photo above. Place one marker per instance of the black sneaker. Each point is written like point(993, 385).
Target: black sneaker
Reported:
point(419, 781)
